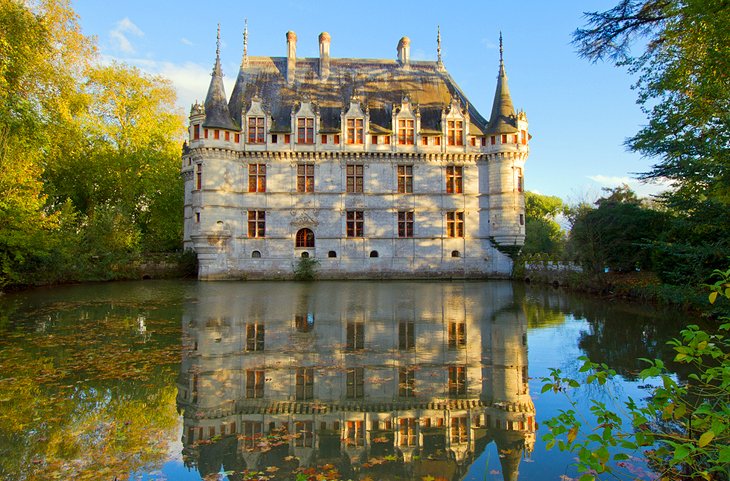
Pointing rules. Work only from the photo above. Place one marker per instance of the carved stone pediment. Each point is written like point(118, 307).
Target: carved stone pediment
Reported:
point(304, 219)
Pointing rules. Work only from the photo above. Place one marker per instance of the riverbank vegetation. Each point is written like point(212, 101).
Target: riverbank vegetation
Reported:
point(89, 153)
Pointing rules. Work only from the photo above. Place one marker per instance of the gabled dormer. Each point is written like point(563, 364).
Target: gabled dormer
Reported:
point(355, 123)
point(305, 122)
point(404, 123)
point(256, 122)
point(455, 124)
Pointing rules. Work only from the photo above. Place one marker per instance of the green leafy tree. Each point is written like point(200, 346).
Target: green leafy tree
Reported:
point(542, 233)
point(684, 89)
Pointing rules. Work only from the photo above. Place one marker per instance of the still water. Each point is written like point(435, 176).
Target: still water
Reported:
point(171, 380)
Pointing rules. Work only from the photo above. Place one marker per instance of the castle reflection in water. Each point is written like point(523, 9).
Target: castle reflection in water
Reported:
point(387, 380)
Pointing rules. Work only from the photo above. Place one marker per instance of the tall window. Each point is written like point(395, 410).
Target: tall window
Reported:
point(257, 177)
point(457, 380)
point(305, 130)
point(355, 131)
point(256, 130)
point(254, 383)
point(355, 336)
point(355, 383)
point(405, 179)
point(405, 224)
point(256, 223)
point(354, 433)
point(457, 335)
point(455, 224)
point(520, 180)
point(354, 178)
point(196, 132)
point(406, 336)
point(255, 337)
point(406, 382)
point(407, 431)
point(454, 175)
point(199, 176)
point(252, 431)
point(354, 223)
point(523, 137)
point(458, 430)
point(303, 434)
point(305, 177)
point(405, 131)
point(305, 383)
point(305, 238)
point(455, 132)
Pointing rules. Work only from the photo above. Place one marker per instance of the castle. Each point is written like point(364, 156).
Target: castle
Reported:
point(377, 168)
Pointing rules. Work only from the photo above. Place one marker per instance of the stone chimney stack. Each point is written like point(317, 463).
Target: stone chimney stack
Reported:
point(404, 51)
point(291, 56)
point(324, 55)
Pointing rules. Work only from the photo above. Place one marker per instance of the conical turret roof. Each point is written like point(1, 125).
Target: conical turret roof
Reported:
point(217, 114)
point(503, 119)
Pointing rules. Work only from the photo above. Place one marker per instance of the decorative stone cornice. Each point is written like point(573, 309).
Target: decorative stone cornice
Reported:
point(362, 156)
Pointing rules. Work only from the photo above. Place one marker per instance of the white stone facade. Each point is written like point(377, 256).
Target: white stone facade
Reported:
point(464, 203)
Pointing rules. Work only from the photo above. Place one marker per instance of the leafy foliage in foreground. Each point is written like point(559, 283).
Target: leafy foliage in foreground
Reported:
point(683, 429)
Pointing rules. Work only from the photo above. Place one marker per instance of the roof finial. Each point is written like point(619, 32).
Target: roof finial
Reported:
point(501, 49)
point(218, 42)
point(438, 45)
point(245, 42)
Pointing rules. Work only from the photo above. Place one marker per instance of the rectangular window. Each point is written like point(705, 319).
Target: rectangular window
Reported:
point(355, 383)
point(227, 136)
point(522, 219)
point(374, 140)
point(520, 180)
point(504, 138)
point(197, 217)
point(254, 383)
point(355, 336)
point(305, 130)
point(387, 140)
point(457, 380)
point(205, 133)
point(216, 134)
point(287, 138)
point(406, 382)
point(305, 177)
point(237, 138)
point(405, 224)
point(354, 131)
point(405, 179)
point(305, 383)
point(484, 141)
point(257, 177)
point(454, 179)
point(354, 223)
point(196, 132)
point(355, 178)
point(199, 176)
point(255, 337)
point(252, 432)
point(437, 140)
point(424, 140)
point(407, 431)
point(457, 335)
point(337, 139)
point(323, 139)
point(473, 141)
point(458, 430)
point(256, 223)
point(303, 434)
point(405, 131)
point(406, 336)
point(493, 140)
point(354, 434)
point(274, 139)
point(455, 132)
point(255, 130)
point(523, 135)
point(455, 224)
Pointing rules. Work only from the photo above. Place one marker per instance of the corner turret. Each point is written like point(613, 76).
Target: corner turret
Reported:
point(217, 114)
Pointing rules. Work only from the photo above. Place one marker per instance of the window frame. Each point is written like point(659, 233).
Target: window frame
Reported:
point(255, 337)
point(454, 179)
point(305, 177)
point(257, 177)
point(305, 130)
point(455, 224)
point(355, 130)
point(406, 131)
point(256, 224)
point(405, 224)
point(355, 178)
point(354, 223)
point(404, 174)
point(455, 132)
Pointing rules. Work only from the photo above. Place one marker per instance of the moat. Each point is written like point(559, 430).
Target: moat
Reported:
point(168, 380)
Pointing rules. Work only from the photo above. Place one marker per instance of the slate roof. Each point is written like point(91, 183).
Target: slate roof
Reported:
point(217, 114)
point(503, 119)
point(378, 83)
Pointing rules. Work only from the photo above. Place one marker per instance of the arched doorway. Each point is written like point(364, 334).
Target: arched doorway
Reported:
point(305, 238)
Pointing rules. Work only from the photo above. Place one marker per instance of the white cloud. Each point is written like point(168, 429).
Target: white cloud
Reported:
point(642, 188)
point(119, 35)
point(185, 41)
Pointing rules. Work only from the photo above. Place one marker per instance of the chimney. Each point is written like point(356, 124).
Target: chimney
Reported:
point(291, 55)
point(404, 51)
point(324, 55)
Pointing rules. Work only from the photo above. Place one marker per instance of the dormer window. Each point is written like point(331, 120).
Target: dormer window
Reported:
point(455, 132)
point(305, 130)
point(196, 132)
point(256, 130)
point(355, 131)
point(406, 128)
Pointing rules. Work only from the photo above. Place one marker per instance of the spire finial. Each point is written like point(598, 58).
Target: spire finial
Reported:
point(245, 42)
point(501, 49)
point(438, 45)
point(218, 42)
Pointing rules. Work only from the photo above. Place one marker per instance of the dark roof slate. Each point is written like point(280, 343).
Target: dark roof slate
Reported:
point(217, 114)
point(503, 119)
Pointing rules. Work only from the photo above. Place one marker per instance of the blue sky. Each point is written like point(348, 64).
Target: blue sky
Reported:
point(580, 113)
